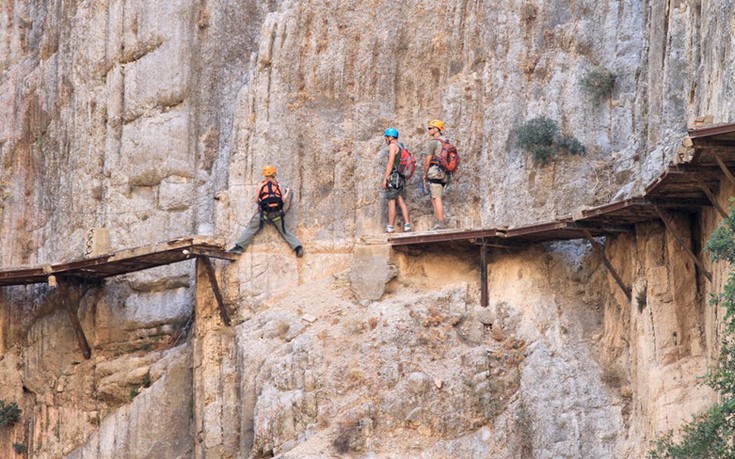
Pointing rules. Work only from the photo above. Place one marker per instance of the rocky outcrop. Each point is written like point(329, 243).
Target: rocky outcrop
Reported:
point(133, 430)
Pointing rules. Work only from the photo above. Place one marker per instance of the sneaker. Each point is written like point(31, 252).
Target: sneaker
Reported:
point(299, 252)
point(236, 250)
point(438, 226)
point(390, 229)
point(406, 227)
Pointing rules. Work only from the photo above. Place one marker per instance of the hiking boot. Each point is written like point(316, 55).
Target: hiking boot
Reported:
point(299, 252)
point(236, 250)
point(438, 226)
point(390, 229)
point(406, 227)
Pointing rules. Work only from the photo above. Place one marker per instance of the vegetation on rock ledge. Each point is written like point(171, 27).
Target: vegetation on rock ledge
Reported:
point(9, 414)
point(541, 137)
point(598, 83)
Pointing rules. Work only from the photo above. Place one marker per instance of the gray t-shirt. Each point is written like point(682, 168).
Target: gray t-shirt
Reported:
point(434, 147)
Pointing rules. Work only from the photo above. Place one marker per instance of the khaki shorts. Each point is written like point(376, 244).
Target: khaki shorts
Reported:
point(433, 174)
point(436, 190)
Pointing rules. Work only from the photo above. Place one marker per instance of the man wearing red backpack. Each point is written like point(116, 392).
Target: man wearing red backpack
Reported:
point(270, 202)
point(394, 183)
point(434, 173)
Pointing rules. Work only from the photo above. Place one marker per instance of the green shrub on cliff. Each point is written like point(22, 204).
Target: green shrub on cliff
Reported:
point(712, 434)
point(598, 83)
point(541, 137)
point(9, 414)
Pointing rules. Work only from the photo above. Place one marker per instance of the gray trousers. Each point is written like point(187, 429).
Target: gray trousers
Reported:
point(254, 226)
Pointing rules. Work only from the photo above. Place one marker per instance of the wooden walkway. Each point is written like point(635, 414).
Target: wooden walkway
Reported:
point(94, 269)
point(690, 182)
point(77, 277)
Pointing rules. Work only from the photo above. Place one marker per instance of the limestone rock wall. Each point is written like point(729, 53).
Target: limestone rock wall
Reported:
point(154, 120)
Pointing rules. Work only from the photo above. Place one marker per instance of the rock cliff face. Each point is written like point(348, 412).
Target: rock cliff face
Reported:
point(154, 119)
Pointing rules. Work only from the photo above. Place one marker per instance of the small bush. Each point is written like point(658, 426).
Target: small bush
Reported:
point(538, 131)
point(613, 377)
point(528, 12)
point(598, 83)
point(573, 146)
point(349, 437)
point(9, 414)
point(19, 448)
point(543, 140)
point(640, 299)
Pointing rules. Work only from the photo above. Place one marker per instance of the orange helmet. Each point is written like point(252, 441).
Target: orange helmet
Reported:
point(269, 171)
point(439, 124)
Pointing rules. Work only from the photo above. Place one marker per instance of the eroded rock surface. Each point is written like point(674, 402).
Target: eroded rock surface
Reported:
point(154, 119)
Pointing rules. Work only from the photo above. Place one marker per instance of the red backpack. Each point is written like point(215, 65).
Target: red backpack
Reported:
point(449, 158)
point(407, 164)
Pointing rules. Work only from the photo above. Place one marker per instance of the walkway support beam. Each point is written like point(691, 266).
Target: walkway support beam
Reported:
point(68, 298)
point(601, 252)
point(682, 243)
point(724, 168)
point(483, 276)
point(713, 199)
point(209, 269)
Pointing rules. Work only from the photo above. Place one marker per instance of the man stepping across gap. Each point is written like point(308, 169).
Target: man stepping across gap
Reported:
point(270, 199)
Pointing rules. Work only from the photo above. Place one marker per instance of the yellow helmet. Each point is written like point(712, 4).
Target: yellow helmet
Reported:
point(439, 124)
point(269, 171)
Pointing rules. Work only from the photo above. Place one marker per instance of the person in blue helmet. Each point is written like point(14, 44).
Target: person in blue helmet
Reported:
point(394, 184)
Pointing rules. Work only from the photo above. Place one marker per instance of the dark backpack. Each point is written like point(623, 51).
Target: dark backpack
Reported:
point(448, 159)
point(270, 197)
point(407, 164)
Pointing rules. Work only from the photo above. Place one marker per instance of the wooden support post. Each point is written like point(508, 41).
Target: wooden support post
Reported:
point(601, 252)
point(724, 168)
point(713, 199)
point(67, 298)
point(483, 276)
point(680, 240)
point(209, 268)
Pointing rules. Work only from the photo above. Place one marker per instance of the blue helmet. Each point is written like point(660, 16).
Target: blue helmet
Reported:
point(391, 132)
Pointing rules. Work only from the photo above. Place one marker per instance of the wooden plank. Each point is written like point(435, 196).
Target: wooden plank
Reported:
point(713, 200)
point(213, 253)
point(715, 144)
point(678, 203)
point(711, 131)
point(209, 268)
point(122, 262)
point(540, 230)
point(613, 207)
point(680, 240)
point(604, 228)
point(724, 169)
point(442, 236)
point(601, 253)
